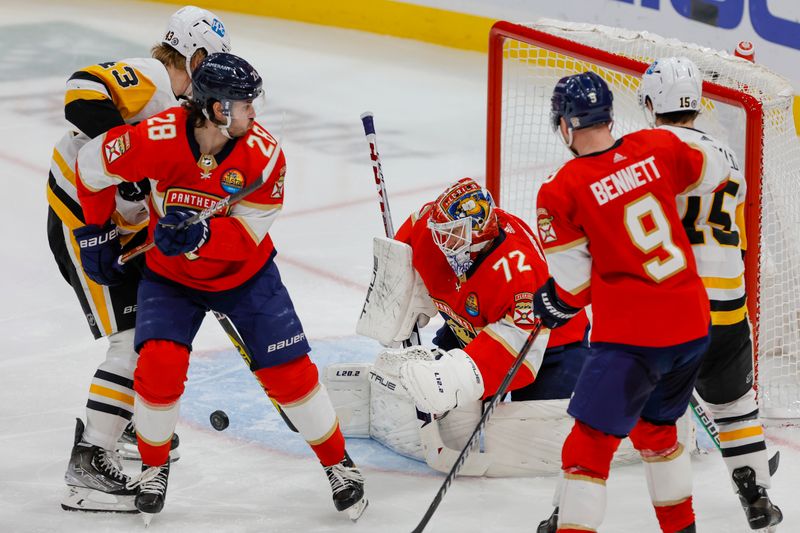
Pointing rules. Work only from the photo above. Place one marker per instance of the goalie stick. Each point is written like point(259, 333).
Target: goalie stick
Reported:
point(367, 120)
point(490, 407)
point(214, 208)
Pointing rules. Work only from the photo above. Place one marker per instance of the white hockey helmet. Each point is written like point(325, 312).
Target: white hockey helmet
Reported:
point(671, 84)
point(191, 28)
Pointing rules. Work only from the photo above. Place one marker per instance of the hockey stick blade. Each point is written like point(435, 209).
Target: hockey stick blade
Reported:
point(214, 208)
point(774, 461)
point(490, 407)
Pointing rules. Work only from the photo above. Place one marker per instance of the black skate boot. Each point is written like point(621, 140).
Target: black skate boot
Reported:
point(550, 525)
point(347, 485)
point(95, 479)
point(760, 511)
point(128, 449)
point(152, 490)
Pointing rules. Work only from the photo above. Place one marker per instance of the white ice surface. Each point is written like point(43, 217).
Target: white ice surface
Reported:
point(429, 105)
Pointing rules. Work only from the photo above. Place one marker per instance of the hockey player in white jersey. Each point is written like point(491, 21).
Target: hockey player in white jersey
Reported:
point(670, 96)
point(98, 98)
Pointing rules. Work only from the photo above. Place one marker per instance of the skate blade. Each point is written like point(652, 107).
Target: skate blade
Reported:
point(129, 452)
point(357, 509)
point(93, 501)
point(147, 518)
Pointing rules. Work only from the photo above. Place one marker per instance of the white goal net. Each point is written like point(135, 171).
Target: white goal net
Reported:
point(744, 104)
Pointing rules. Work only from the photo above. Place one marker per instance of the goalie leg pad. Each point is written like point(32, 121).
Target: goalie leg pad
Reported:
point(348, 387)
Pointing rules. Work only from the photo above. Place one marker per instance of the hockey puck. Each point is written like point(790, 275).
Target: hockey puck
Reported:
point(219, 420)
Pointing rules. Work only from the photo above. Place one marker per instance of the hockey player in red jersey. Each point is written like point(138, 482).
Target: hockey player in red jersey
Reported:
point(615, 241)
point(194, 156)
point(97, 98)
point(670, 95)
point(480, 266)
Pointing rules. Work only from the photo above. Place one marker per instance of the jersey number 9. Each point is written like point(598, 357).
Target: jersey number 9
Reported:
point(656, 234)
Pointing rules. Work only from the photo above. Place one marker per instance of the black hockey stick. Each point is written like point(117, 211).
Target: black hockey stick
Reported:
point(490, 407)
point(247, 357)
point(369, 131)
point(214, 208)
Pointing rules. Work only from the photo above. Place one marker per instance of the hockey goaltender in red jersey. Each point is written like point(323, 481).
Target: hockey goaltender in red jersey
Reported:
point(194, 156)
point(615, 241)
point(481, 266)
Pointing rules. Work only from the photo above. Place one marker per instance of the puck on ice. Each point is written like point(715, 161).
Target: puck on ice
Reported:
point(219, 420)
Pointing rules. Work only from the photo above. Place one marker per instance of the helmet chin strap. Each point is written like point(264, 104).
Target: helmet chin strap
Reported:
point(568, 140)
point(223, 128)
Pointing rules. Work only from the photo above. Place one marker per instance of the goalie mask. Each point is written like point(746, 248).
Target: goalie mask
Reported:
point(670, 84)
point(463, 222)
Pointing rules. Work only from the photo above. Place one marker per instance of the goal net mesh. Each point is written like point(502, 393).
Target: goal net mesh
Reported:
point(523, 150)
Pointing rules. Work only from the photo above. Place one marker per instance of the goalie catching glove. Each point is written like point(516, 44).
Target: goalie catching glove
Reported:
point(440, 385)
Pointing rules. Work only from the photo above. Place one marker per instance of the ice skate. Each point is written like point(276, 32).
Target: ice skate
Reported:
point(550, 525)
point(128, 449)
point(762, 514)
point(347, 485)
point(95, 479)
point(151, 491)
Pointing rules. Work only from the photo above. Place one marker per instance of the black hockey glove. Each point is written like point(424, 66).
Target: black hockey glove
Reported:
point(549, 308)
point(134, 191)
point(100, 250)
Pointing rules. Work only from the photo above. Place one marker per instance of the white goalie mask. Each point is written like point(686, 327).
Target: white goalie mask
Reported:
point(192, 28)
point(671, 84)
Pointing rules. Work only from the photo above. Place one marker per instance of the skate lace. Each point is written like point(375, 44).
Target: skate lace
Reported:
point(149, 481)
point(110, 464)
point(342, 477)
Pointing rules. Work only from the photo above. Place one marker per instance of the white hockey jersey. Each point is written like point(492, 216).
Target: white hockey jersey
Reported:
point(715, 226)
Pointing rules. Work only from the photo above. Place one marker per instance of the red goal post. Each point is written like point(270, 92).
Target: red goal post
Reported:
point(744, 104)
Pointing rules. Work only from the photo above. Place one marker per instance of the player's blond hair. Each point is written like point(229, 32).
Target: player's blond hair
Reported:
point(172, 58)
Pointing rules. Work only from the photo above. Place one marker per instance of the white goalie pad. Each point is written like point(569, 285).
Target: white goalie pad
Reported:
point(348, 389)
point(396, 299)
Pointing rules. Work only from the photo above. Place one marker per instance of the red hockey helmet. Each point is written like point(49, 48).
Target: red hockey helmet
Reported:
point(463, 220)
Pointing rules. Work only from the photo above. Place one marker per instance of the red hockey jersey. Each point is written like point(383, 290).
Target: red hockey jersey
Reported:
point(490, 311)
point(162, 150)
point(613, 238)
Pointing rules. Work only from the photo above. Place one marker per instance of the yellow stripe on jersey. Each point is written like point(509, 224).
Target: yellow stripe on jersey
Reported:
point(82, 94)
point(741, 225)
point(130, 89)
point(64, 167)
point(111, 393)
point(726, 318)
point(723, 283)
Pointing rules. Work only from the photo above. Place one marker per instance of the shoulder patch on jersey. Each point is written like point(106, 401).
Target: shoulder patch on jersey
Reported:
point(544, 220)
point(277, 189)
point(471, 305)
point(523, 309)
point(116, 148)
point(232, 181)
